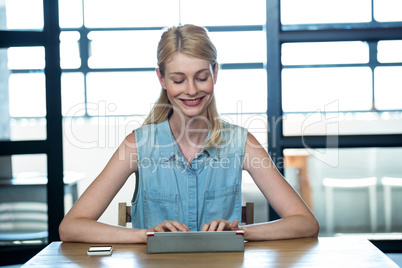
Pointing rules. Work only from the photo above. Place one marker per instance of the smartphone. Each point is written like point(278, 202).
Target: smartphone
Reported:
point(100, 250)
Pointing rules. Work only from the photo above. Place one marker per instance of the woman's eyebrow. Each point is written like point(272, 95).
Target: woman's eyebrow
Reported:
point(202, 70)
point(198, 72)
point(177, 73)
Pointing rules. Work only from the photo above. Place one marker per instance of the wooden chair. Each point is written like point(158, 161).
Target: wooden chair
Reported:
point(247, 216)
point(124, 214)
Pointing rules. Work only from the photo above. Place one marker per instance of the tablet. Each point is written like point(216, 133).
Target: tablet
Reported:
point(175, 242)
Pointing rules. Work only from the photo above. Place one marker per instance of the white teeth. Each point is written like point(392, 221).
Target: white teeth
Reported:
point(191, 101)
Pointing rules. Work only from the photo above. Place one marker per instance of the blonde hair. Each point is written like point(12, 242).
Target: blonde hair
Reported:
point(193, 41)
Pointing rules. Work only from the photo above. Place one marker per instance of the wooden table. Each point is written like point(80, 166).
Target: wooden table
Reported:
point(306, 252)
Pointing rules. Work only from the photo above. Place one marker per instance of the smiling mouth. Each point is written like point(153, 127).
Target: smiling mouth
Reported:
point(192, 101)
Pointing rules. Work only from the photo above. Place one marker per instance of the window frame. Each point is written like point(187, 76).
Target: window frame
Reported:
point(276, 36)
point(52, 146)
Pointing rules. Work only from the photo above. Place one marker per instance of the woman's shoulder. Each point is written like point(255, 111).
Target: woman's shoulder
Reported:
point(234, 137)
point(151, 134)
point(148, 128)
point(230, 129)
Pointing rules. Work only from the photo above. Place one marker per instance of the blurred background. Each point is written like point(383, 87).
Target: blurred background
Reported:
point(319, 83)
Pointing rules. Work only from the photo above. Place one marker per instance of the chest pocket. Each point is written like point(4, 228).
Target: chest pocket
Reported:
point(221, 203)
point(159, 207)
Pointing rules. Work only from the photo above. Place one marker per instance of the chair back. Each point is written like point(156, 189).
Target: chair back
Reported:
point(124, 214)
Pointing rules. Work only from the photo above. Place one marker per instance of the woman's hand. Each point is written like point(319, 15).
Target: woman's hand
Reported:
point(169, 226)
point(221, 225)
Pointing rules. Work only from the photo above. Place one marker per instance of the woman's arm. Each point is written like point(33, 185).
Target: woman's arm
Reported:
point(296, 218)
point(81, 225)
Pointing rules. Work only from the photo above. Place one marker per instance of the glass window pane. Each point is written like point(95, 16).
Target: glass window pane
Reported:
point(231, 87)
point(311, 89)
point(387, 10)
point(6, 168)
point(27, 129)
point(21, 14)
point(26, 58)
point(348, 203)
point(73, 94)
point(388, 88)
point(389, 51)
point(342, 123)
point(29, 165)
point(27, 95)
point(21, 95)
point(240, 47)
point(122, 93)
point(123, 49)
point(223, 12)
point(330, 11)
point(127, 13)
point(70, 13)
point(324, 53)
point(69, 50)
point(4, 96)
point(23, 204)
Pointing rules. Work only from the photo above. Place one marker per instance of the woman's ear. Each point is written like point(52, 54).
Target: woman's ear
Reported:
point(161, 78)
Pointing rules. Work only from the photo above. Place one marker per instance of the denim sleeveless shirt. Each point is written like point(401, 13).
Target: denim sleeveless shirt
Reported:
point(169, 188)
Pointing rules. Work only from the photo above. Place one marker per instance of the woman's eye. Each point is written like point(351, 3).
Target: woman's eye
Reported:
point(203, 79)
point(178, 82)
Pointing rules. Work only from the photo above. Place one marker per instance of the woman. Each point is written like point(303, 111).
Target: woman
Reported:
point(188, 163)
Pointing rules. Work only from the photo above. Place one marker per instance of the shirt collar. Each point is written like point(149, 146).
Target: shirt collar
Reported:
point(168, 145)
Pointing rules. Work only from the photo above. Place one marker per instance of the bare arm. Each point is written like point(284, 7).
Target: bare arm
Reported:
point(296, 218)
point(81, 225)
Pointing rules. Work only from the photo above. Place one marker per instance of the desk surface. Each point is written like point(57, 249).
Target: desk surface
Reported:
point(306, 252)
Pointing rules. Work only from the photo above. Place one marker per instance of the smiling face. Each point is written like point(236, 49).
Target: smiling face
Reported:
point(189, 83)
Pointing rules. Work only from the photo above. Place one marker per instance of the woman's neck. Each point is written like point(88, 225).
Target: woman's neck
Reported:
point(189, 131)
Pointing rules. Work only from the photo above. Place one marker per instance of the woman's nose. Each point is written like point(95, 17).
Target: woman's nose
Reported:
point(191, 88)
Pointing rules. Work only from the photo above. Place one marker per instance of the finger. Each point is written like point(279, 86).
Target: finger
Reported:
point(180, 226)
point(213, 225)
point(159, 228)
point(222, 225)
point(170, 226)
point(186, 229)
point(205, 227)
point(235, 224)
